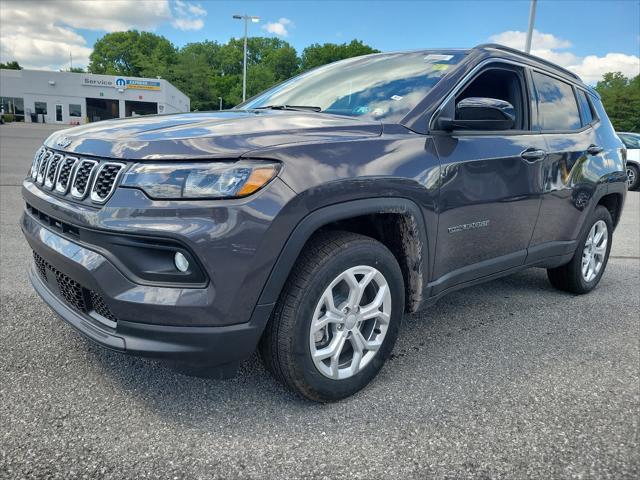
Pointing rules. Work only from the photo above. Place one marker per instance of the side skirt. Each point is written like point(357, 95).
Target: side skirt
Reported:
point(548, 255)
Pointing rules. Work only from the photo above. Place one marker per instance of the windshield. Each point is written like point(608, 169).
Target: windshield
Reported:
point(382, 87)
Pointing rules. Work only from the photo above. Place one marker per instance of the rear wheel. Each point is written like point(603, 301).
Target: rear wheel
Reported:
point(337, 318)
point(633, 177)
point(584, 271)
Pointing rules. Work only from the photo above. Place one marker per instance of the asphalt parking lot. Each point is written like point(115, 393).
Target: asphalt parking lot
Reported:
point(511, 379)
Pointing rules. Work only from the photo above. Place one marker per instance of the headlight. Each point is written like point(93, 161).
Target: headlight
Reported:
point(200, 180)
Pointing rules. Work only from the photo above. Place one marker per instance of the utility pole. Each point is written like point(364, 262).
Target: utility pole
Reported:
point(532, 21)
point(220, 98)
point(246, 19)
point(70, 61)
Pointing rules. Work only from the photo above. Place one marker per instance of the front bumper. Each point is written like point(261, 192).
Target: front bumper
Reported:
point(64, 262)
point(217, 323)
point(188, 346)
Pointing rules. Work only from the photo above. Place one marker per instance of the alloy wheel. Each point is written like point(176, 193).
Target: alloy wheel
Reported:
point(631, 177)
point(595, 250)
point(350, 322)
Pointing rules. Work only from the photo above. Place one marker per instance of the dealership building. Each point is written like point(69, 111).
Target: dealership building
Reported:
point(74, 98)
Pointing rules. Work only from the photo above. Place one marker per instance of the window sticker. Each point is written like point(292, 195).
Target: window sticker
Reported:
point(437, 57)
point(440, 66)
point(396, 97)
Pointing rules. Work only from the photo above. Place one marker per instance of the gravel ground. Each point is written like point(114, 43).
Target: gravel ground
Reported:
point(510, 379)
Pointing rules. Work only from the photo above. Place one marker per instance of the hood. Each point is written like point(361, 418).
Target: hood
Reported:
point(226, 134)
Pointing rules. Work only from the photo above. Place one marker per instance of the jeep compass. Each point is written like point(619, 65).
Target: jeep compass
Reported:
point(307, 221)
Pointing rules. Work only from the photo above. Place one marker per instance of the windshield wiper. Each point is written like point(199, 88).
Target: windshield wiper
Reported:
point(305, 108)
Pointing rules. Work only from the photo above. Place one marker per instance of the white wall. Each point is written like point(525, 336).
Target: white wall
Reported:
point(69, 88)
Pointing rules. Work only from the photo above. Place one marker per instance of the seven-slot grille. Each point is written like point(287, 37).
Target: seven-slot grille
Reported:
point(81, 177)
point(73, 293)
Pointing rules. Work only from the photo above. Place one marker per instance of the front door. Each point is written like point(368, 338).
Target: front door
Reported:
point(58, 112)
point(490, 189)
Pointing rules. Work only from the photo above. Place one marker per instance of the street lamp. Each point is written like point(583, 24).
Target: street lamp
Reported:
point(246, 19)
point(220, 98)
point(532, 20)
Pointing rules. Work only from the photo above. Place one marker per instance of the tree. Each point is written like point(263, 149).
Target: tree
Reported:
point(316, 55)
point(132, 53)
point(208, 70)
point(621, 99)
point(12, 65)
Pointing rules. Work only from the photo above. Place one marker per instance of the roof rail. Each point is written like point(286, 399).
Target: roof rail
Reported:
point(515, 51)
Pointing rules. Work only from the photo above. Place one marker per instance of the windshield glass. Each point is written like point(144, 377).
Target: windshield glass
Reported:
point(382, 87)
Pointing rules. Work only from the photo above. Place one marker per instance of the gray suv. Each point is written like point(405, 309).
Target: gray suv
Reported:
point(305, 222)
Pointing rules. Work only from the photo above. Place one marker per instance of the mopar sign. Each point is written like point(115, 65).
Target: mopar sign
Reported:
point(120, 83)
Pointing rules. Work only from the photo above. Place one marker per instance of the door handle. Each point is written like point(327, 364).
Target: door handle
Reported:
point(594, 149)
point(533, 155)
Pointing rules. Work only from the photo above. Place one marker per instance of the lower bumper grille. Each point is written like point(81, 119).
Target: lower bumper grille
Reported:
point(73, 293)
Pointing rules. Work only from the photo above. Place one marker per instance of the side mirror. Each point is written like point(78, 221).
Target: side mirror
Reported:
point(479, 113)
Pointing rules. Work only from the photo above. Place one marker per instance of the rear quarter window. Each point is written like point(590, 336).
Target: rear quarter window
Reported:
point(557, 107)
point(586, 110)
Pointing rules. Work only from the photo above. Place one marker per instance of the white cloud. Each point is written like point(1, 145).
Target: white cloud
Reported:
point(279, 28)
point(196, 9)
point(188, 24)
point(543, 41)
point(590, 68)
point(186, 15)
point(42, 35)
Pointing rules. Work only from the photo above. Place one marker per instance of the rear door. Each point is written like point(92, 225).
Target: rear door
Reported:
point(490, 186)
point(569, 176)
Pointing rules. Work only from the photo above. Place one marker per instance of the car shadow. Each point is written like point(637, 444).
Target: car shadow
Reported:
point(185, 399)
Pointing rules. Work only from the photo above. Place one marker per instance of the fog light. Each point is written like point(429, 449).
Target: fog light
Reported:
point(181, 262)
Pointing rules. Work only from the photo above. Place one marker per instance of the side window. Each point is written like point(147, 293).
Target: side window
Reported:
point(557, 107)
point(502, 84)
point(586, 111)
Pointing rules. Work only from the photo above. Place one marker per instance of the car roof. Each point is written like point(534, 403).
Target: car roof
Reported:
point(496, 50)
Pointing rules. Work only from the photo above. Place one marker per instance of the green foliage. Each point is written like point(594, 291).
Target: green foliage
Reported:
point(76, 70)
point(132, 53)
point(8, 117)
point(13, 65)
point(208, 70)
point(621, 99)
point(316, 55)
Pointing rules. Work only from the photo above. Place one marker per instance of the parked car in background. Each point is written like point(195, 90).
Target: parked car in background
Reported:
point(632, 142)
point(307, 221)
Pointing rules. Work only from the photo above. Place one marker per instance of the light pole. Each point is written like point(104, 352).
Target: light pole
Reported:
point(220, 98)
point(532, 21)
point(246, 19)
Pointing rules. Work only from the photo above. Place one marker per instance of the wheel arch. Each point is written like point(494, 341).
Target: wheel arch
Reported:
point(406, 238)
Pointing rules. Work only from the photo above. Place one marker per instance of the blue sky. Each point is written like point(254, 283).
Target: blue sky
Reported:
point(593, 27)
point(583, 35)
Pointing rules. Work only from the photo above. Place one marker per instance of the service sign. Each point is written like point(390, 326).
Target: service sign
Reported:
point(120, 83)
point(97, 81)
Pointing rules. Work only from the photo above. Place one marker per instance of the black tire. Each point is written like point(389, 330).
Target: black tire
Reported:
point(285, 344)
point(636, 172)
point(569, 277)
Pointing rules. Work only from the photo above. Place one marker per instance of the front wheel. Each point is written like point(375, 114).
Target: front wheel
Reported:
point(337, 318)
point(584, 271)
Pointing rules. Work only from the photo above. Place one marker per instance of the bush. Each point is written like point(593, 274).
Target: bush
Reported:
point(8, 117)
